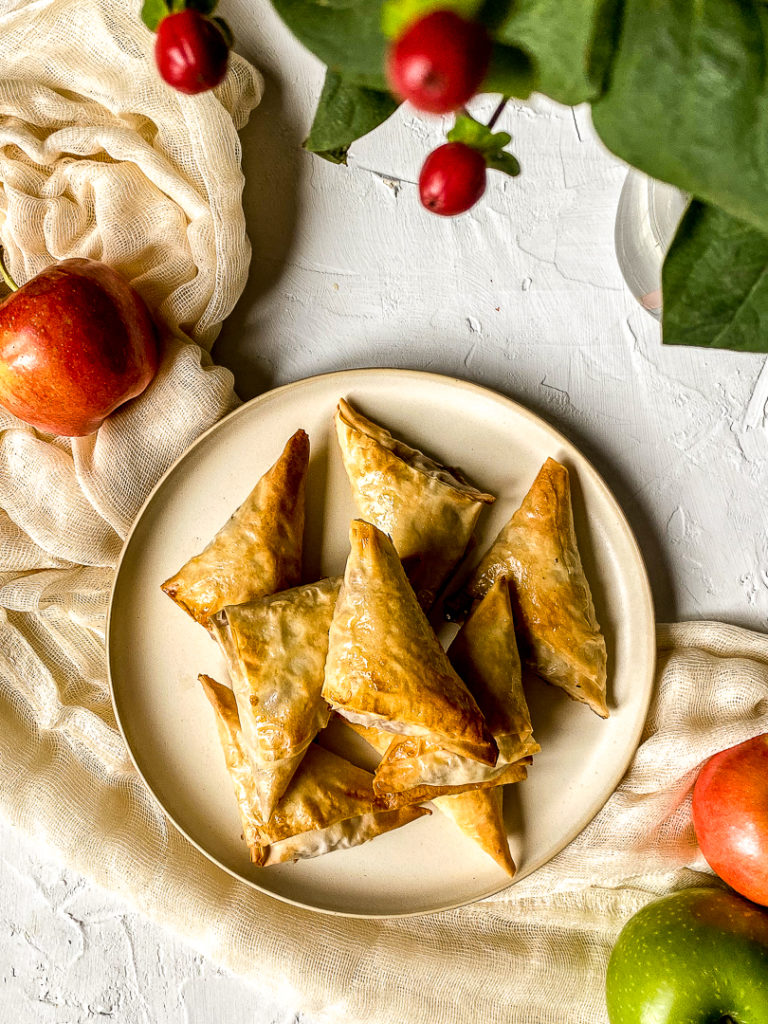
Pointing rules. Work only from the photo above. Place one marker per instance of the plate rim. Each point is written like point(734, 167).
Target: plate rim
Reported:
point(540, 422)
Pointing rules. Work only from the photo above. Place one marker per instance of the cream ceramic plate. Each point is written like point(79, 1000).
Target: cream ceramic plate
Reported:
point(156, 650)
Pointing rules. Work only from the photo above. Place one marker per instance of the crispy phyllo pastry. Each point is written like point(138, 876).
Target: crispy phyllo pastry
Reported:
point(480, 816)
point(385, 666)
point(428, 510)
point(422, 769)
point(477, 810)
point(551, 600)
point(485, 655)
point(228, 727)
point(328, 806)
point(276, 648)
point(420, 792)
point(258, 550)
point(405, 750)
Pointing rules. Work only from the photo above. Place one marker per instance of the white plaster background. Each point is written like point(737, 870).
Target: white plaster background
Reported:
point(522, 294)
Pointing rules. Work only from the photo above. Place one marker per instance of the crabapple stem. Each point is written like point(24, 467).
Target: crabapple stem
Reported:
point(497, 112)
point(6, 276)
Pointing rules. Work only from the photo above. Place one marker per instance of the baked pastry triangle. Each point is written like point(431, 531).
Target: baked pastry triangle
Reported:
point(385, 666)
point(421, 769)
point(276, 648)
point(258, 550)
point(480, 816)
point(428, 510)
point(406, 750)
point(484, 653)
point(329, 805)
point(231, 738)
point(552, 603)
point(476, 809)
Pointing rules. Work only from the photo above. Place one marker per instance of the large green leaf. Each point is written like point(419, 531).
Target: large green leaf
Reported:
point(510, 73)
point(715, 283)
point(345, 34)
point(569, 42)
point(344, 113)
point(688, 99)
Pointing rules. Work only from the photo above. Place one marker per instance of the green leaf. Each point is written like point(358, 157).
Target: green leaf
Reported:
point(491, 144)
point(345, 34)
point(153, 12)
point(569, 42)
point(504, 162)
point(476, 134)
point(688, 99)
point(397, 15)
point(345, 112)
point(715, 283)
point(511, 72)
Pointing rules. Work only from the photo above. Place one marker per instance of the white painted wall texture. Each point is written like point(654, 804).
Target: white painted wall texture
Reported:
point(522, 294)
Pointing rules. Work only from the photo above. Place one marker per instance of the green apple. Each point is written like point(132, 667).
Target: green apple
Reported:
point(697, 957)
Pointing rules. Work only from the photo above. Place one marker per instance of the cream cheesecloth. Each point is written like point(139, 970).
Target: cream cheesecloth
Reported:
point(98, 158)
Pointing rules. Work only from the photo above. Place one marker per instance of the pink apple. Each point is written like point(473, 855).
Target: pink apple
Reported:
point(730, 816)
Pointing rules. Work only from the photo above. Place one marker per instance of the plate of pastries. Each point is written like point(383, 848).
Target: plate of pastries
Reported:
point(381, 642)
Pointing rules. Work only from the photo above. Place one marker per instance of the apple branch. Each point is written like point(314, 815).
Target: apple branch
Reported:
point(497, 112)
point(6, 276)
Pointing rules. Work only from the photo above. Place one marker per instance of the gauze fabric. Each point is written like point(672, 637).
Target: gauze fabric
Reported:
point(98, 158)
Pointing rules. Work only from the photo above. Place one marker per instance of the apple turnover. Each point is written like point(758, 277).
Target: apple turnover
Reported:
point(484, 653)
point(409, 749)
point(276, 648)
point(385, 666)
point(551, 599)
point(479, 814)
point(258, 550)
point(475, 808)
point(428, 510)
point(328, 806)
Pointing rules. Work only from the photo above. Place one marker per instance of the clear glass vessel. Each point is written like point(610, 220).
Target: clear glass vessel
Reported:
point(646, 220)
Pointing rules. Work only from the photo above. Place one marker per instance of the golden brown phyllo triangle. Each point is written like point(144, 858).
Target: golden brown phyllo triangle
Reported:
point(428, 510)
point(276, 648)
point(258, 550)
point(551, 598)
point(385, 666)
point(328, 806)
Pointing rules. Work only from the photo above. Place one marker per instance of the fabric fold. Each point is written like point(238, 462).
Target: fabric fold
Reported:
point(537, 936)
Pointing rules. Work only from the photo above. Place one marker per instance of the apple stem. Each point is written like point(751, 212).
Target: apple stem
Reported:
point(6, 276)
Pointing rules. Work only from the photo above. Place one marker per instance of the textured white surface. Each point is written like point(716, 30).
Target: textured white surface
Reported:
point(522, 294)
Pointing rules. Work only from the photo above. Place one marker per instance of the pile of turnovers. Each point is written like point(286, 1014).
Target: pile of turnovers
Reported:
point(451, 727)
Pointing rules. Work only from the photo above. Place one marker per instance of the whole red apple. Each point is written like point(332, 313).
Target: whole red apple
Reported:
point(75, 343)
point(730, 816)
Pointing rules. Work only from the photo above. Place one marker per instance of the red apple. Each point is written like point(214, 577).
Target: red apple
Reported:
point(75, 343)
point(730, 816)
